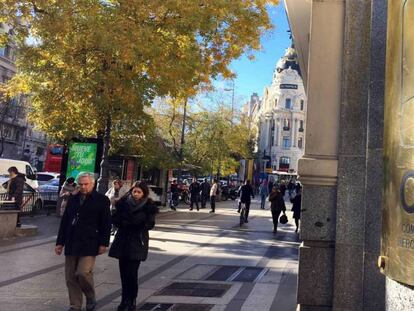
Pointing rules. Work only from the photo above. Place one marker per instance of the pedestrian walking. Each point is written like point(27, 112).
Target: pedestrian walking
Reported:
point(15, 188)
point(213, 194)
point(297, 203)
point(173, 195)
point(114, 194)
point(205, 192)
point(246, 194)
point(134, 216)
point(270, 185)
point(68, 189)
point(263, 192)
point(84, 233)
point(277, 205)
point(291, 187)
point(195, 194)
point(283, 188)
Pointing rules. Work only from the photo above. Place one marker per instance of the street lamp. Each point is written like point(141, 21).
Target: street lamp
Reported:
point(232, 99)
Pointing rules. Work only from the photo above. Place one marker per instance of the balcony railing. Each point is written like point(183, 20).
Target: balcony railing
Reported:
point(286, 128)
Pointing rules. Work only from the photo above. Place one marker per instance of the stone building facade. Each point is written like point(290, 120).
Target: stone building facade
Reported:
point(280, 118)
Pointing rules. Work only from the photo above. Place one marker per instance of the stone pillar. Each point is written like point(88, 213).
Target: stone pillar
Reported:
point(318, 167)
point(374, 282)
point(352, 164)
point(342, 167)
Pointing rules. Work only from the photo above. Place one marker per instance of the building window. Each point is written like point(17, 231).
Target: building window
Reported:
point(18, 136)
point(286, 142)
point(284, 163)
point(275, 102)
point(300, 143)
point(301, 126)
point(302, 104)
point(286, 124)
point(288, 103)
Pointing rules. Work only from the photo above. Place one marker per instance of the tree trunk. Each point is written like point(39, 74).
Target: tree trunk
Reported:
point(179, 177)
point(104, 174)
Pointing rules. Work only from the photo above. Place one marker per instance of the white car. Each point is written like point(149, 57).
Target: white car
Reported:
point(46, 177)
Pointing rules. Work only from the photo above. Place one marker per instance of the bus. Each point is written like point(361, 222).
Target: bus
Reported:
point(53, 160)
point(278, 176)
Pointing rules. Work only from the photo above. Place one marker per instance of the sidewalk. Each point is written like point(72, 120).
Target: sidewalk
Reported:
point(197, 261)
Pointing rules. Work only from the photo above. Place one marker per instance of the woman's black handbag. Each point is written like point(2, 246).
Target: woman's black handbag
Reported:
point(283, 219)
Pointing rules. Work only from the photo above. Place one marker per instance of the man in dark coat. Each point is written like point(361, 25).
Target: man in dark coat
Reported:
point(205, 192)
point(84, 233)
point(15, 189)
point(195, 194)
point(246, 193)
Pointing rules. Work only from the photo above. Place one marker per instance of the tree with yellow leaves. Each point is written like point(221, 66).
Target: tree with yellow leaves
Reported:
point(89, 65)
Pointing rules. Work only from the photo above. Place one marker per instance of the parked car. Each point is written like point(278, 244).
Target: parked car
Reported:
point(32, 199)
point(50, 191)
point(46, 177)
point(50, 186)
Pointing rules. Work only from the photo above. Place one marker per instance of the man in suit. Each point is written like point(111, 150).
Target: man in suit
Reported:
point(84, 233)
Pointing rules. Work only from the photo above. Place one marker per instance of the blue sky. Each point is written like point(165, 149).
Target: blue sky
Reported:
point(253, 76)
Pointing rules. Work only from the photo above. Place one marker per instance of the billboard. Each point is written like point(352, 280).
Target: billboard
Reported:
point(81, 158)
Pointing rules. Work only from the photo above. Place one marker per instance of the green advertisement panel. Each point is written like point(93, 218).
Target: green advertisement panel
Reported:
point(81, 158)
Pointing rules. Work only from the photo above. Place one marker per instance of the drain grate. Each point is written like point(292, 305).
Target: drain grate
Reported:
point(250, 274)
point(223, 273)
point(237, 274)
point(175, 307)
point(194, 289)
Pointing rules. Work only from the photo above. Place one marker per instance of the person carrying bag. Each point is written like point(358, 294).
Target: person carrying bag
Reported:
point(277, 205)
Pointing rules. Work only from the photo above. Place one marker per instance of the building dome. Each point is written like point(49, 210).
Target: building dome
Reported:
point(289, 60)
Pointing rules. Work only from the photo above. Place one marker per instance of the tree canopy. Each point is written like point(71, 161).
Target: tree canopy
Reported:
point(85, 61)
point(215, 139)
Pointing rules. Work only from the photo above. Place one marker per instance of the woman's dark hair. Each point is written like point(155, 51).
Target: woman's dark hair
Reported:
point(70, 180)
point(143, 186)
point(13, 169)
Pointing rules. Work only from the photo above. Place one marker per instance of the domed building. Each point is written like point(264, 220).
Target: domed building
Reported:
point(281, 118)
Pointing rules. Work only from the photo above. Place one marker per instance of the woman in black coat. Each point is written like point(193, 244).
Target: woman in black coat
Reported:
point(277, 205)
point(134, 215)
point(297, 201)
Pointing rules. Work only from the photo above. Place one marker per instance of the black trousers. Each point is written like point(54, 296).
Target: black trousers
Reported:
point(275, 217)
point(204, 200)
point(194, 199)
point(247, 204)
point(129, 278)
point(213, 203)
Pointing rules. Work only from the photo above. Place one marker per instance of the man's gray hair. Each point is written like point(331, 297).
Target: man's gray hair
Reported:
point(86, 174)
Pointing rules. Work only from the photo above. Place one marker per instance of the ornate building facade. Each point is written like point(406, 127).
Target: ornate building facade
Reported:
point(280, 118)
